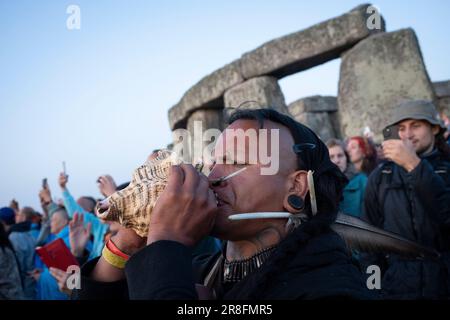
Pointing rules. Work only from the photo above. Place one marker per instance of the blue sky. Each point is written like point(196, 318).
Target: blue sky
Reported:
point(98, 97)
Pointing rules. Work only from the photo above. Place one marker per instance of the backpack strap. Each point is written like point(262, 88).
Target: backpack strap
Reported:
point(386, 176)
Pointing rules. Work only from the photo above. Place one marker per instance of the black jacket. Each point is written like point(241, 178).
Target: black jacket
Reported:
point(320, 269)
point(415, 205)
point(20, 227)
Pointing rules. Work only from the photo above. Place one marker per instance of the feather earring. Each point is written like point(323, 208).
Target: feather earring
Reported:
point(357, 234)
point(312, 192)
point(364, 237)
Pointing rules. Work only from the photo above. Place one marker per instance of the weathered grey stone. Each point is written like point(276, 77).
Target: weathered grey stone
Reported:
point(336, 124)
point(206, 94)
point(377, 74)
point(319, 113)
point(313, 104)
point(308, 48)
point(255, 93)
point(442, 88)
point(203, 119)
point(210, 119)
point(319, 122)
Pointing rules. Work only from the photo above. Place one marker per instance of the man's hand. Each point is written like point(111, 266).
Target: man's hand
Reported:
point(402, 153)
point(106, 185)
point(129, 243)
point(61, 278)
point(45, 196)
point(78, 234)
point(62, 180)
point(185, 211)
point(14, 205)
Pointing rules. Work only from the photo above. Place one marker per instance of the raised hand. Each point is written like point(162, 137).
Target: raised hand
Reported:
point(14, 205)
point(62, 180)
point(45, 196)
point(78, 234)
point(401, 152)
point(106, 185)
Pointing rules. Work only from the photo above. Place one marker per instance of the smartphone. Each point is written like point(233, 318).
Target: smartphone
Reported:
point(44, 183)
point(391, 132)
point(64, 168)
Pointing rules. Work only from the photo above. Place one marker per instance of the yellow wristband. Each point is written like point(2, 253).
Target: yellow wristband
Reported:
point(113, 259)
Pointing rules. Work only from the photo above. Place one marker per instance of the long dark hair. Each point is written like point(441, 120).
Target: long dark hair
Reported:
point(329, 184)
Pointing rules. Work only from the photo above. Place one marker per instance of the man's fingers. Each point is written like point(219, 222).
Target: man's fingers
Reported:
point(176, 177)
point(75, 218)
point(203, 185)
point(58, 274)
point(191, 178)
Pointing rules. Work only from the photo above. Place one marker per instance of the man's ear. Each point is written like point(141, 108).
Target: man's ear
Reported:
point(435, 129)
point(298, 186)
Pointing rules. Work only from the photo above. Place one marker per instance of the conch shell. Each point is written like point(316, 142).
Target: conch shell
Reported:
point(132, 206)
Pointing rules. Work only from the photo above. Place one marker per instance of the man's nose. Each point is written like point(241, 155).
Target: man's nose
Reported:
point(408, 133)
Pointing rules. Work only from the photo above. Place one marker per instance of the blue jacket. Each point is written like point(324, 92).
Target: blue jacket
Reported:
point(99, 229)
point(47, 287)
point(353, 196)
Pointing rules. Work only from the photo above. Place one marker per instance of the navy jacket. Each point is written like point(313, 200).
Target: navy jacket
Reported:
point(415, 205)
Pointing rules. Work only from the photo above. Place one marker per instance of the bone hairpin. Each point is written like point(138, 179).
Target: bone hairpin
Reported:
point(260, 215)
point(218, 181)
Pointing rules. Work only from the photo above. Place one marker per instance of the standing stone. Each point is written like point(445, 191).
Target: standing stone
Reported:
point(200, 121)
point(310, 47)
point(313, 104)
point(319, 122)
point(210, 118)
point(377, 74)
point(336, 125)
point(442, 90)
point(261, 92)
point(206, 94)
point(319, 113)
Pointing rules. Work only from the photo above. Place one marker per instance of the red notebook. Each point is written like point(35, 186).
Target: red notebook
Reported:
point(56, 254)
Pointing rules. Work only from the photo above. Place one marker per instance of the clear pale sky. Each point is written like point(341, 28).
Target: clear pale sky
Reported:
point(97, 98)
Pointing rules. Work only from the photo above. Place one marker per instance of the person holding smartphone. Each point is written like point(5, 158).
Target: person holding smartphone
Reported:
point(409, 195)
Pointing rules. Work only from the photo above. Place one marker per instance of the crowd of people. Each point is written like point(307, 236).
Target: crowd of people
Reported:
point(194, 250)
